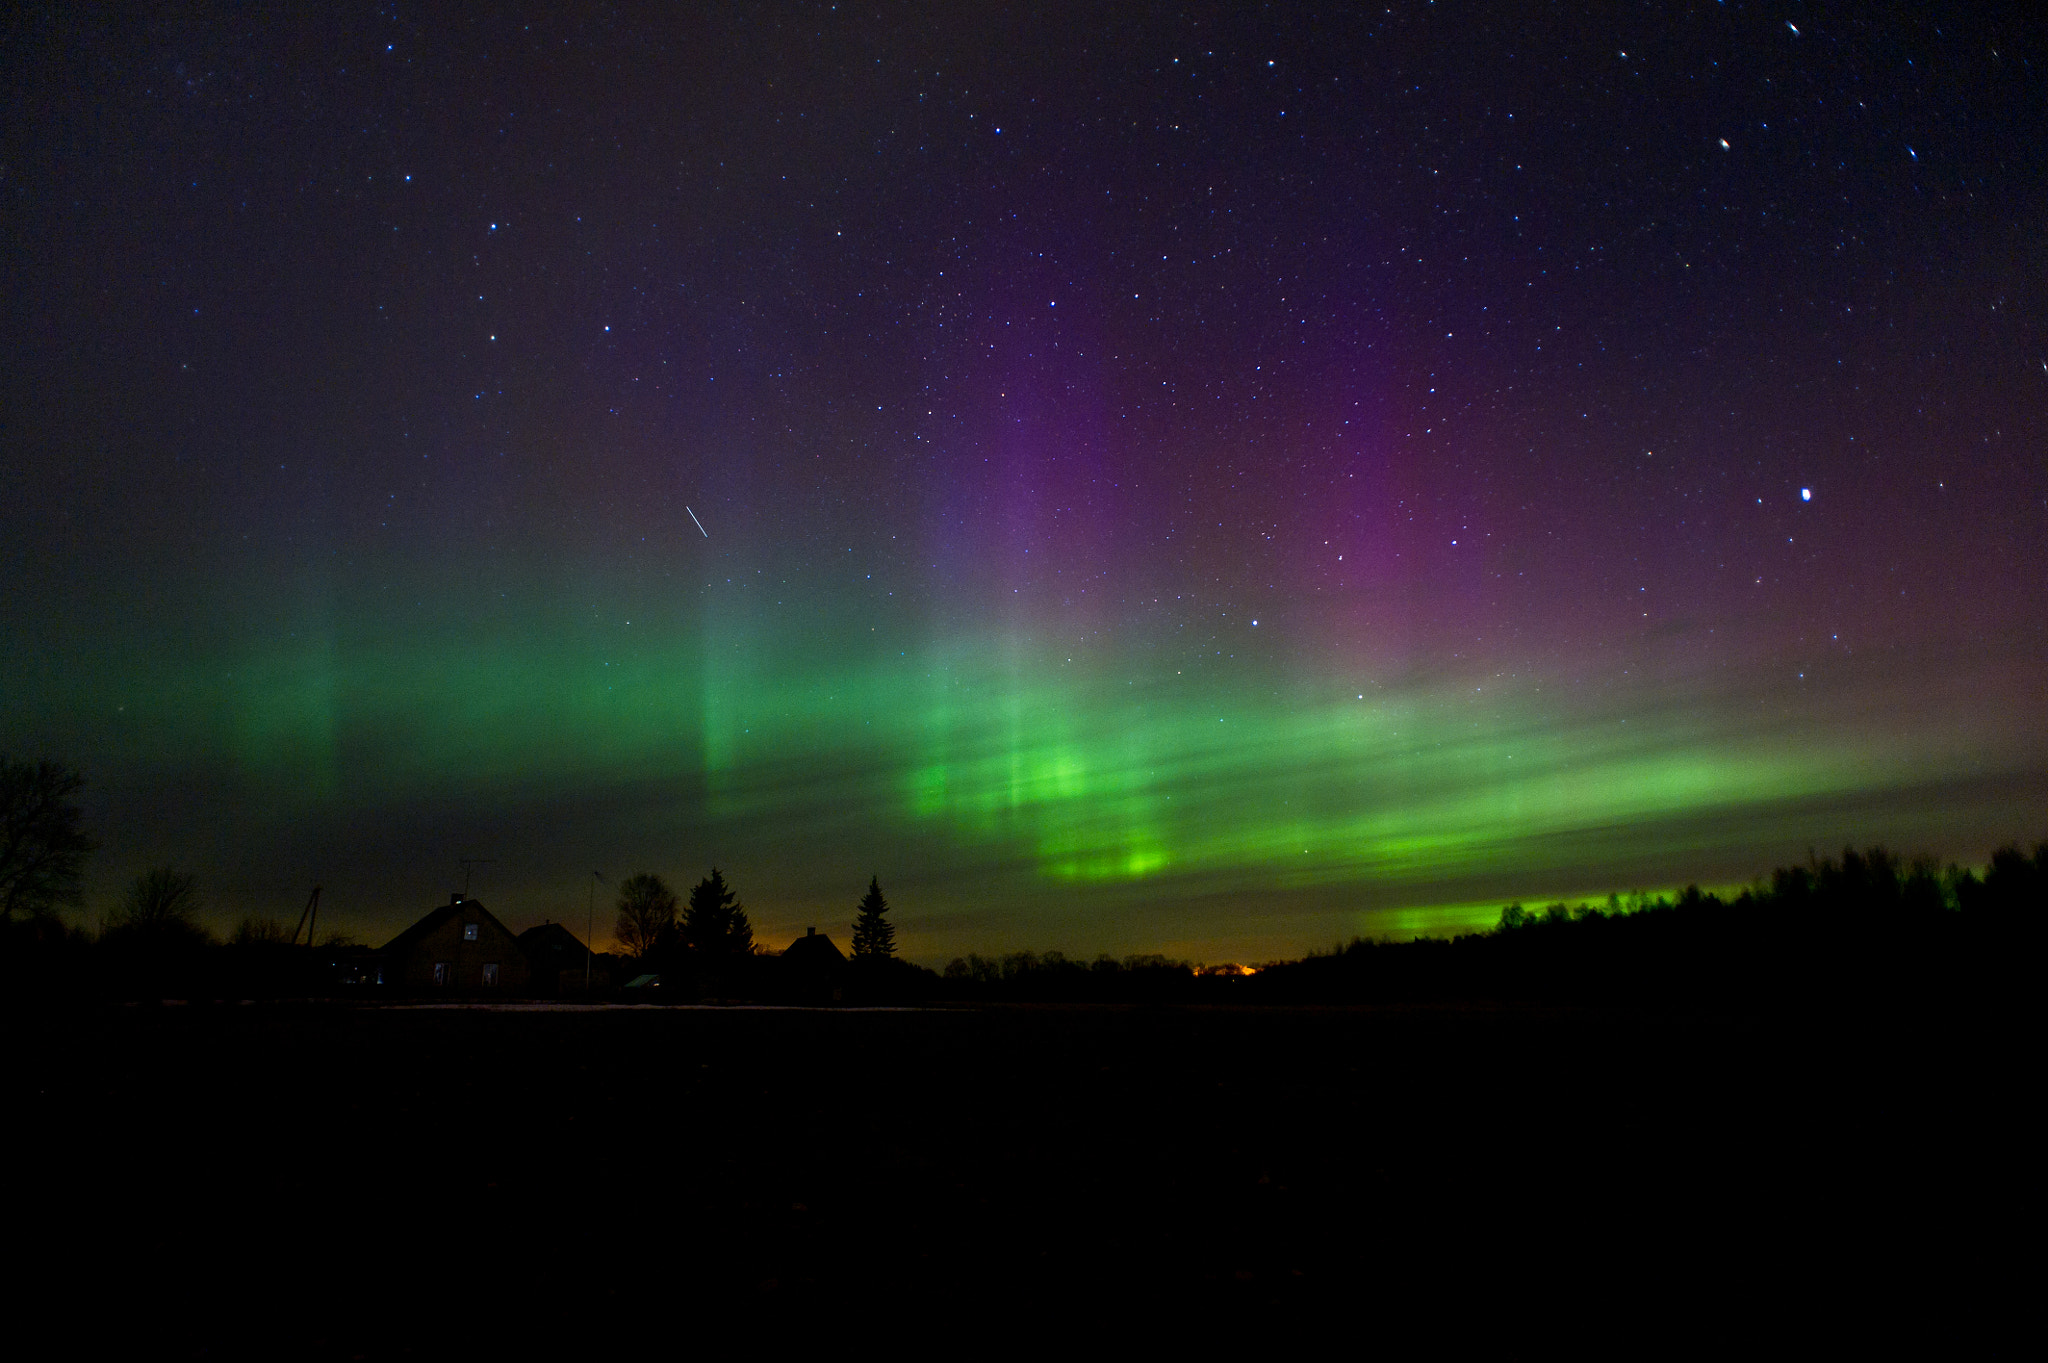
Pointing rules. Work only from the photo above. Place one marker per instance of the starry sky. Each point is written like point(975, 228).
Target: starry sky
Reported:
point(1211, 479)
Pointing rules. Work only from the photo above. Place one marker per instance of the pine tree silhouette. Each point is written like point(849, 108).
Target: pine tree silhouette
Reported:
point(873, 935)
point(714, 923)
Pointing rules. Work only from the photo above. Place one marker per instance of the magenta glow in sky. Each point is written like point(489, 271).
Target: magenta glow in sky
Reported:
point(1187, 481)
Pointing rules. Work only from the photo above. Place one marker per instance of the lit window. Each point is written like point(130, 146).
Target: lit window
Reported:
point(440, 972)
point(469, 932)
point(490, 974)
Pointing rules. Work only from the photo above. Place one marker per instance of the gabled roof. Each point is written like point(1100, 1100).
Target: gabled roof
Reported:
point(471, 910)
point(813, 948)
point(552, 943)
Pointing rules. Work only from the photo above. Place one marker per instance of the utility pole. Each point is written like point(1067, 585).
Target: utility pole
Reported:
point(589, 931)
point(311, 913)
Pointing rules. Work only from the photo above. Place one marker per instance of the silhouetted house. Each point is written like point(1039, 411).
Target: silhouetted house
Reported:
point(560, 964)
point(812, 968)
point(813, 950)
point(459, 948)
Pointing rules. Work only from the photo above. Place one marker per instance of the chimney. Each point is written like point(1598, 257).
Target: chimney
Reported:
point(810, 932)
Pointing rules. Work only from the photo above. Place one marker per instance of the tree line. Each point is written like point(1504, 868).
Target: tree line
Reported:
point(1867, 926)
point(713, 923)
point(155, 938)
point(704, 947)
point(1866, 923)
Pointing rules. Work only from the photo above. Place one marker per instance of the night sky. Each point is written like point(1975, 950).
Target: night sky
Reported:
point(1212, 480)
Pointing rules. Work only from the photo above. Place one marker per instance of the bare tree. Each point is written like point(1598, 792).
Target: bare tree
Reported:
point(159, 912)
point(263, 932)
point(647, 913)
point(42, 846)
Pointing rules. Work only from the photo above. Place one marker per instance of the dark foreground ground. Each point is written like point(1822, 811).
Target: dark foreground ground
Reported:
point(320, 1180)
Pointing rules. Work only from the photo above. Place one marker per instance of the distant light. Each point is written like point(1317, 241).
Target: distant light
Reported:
point(1255, 624)
point(1806, 494)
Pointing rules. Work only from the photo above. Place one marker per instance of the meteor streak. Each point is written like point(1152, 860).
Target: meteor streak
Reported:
point(700, 525)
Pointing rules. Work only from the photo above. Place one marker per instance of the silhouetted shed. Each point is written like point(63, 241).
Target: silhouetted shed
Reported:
point(459, 948)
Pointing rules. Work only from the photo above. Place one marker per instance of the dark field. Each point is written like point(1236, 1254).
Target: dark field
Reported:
point(330, 1181)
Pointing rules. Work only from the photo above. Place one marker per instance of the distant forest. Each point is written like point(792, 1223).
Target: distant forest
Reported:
point(1868, 923)
point(1865, 925)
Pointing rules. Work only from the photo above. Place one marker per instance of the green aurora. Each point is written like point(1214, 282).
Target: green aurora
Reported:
point(1013, 793)
point(1212, 481)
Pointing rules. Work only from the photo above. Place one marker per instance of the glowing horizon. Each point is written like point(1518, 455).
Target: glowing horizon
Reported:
point(1283, 485)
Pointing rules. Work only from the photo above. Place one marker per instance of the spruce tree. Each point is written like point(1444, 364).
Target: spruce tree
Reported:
point(714, 923)
point(873, 935)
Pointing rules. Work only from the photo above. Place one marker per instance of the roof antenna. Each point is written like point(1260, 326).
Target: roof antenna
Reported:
point(469, 862)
